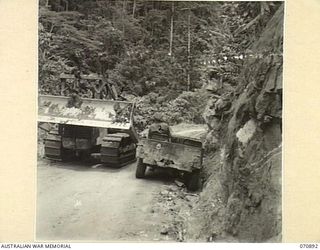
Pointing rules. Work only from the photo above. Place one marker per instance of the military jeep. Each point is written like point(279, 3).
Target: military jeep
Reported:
point(162, 150)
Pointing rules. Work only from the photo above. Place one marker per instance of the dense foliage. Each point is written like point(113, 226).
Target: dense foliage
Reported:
point(153, 48)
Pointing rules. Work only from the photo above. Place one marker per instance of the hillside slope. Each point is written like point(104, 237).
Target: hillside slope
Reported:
point(242, 195)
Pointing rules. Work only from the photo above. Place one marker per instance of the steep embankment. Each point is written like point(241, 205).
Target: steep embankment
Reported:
point(241, 198)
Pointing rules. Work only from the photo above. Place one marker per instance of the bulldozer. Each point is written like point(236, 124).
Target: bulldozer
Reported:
point(89, 127)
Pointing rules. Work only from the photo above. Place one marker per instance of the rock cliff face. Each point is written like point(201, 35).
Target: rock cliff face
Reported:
point(246, 130)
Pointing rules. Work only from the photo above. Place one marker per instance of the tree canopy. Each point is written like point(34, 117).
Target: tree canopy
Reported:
point(146, 46)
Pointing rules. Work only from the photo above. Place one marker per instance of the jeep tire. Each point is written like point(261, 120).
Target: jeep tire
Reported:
point(193, 181)
point(141, 169)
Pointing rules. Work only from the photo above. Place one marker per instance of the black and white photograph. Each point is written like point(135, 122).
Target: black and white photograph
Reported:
point(159, 121)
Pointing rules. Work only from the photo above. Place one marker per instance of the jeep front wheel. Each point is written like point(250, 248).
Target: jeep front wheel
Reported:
point(193, 181)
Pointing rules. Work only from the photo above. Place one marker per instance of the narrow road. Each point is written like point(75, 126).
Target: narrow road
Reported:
point(79, 201)
point(87, 202)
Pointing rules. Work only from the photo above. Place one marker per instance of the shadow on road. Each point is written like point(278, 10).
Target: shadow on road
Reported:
point(89, 166)
point(164, 176)
point(161, 175)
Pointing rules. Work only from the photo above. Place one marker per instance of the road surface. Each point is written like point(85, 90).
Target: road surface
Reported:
point(90, 202)
point(78, 201)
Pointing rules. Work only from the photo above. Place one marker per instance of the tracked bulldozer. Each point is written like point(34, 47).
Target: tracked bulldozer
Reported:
point(87, 128)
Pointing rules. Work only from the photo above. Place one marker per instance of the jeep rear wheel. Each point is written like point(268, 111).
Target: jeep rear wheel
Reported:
point(193, 181)
point(141, 169)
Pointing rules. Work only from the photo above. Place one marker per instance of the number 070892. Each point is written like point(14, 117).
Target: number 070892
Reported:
point(308, 245)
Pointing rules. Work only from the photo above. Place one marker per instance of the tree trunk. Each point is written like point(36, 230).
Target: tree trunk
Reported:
point(134, 8)
point(66, 5)
point(171, 30)
point(189, 45)
point(123, 13)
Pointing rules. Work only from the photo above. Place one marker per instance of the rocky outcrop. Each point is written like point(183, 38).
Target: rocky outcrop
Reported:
point(249, 136)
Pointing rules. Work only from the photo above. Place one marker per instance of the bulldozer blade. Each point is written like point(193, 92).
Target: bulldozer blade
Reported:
point(90, 112)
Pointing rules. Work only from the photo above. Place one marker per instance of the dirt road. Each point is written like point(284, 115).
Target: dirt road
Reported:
point(79, 201)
